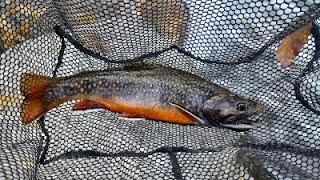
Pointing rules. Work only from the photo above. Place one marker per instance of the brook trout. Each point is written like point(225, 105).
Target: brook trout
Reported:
point(157, 93)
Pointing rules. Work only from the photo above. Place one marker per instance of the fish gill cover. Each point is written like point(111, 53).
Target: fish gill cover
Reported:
point(230, 43)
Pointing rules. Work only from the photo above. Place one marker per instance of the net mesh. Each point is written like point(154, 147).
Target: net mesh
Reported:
point(230, 43)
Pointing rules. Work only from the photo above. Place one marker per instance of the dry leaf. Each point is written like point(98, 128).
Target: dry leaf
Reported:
point(291, 45)
point(13, 33)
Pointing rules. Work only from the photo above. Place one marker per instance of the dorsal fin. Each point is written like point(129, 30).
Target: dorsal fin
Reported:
point(140, 65)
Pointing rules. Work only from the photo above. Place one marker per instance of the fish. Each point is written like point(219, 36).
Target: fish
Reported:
point(156, 93)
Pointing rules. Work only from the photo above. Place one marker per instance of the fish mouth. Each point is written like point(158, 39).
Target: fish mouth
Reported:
point(239, 123)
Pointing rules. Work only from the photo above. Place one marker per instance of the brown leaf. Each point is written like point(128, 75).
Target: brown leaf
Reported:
point(292, 44)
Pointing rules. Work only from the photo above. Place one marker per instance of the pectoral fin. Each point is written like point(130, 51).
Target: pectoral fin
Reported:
point(196, 118)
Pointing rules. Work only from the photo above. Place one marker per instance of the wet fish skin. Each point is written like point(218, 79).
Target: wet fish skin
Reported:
point(148, 87)
point(156, 86)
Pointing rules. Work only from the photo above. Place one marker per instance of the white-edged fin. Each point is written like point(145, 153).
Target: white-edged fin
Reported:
point(132, 119)
point(78, 112)
point(198, 120)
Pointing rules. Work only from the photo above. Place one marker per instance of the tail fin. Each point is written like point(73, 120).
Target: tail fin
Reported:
point(32, 88)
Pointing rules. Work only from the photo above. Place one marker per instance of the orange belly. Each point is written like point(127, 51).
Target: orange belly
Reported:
point(162, 113)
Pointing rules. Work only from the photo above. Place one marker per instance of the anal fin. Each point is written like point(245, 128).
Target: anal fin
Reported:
point(132, 119)
point(87, 104)
point(129, 115)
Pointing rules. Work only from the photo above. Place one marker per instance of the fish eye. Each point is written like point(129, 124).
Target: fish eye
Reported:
point(242, 107)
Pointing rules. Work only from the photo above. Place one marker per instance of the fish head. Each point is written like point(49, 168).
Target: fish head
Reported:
point(231, 111)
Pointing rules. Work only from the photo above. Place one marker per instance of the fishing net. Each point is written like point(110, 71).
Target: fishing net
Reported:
point(230, 43)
